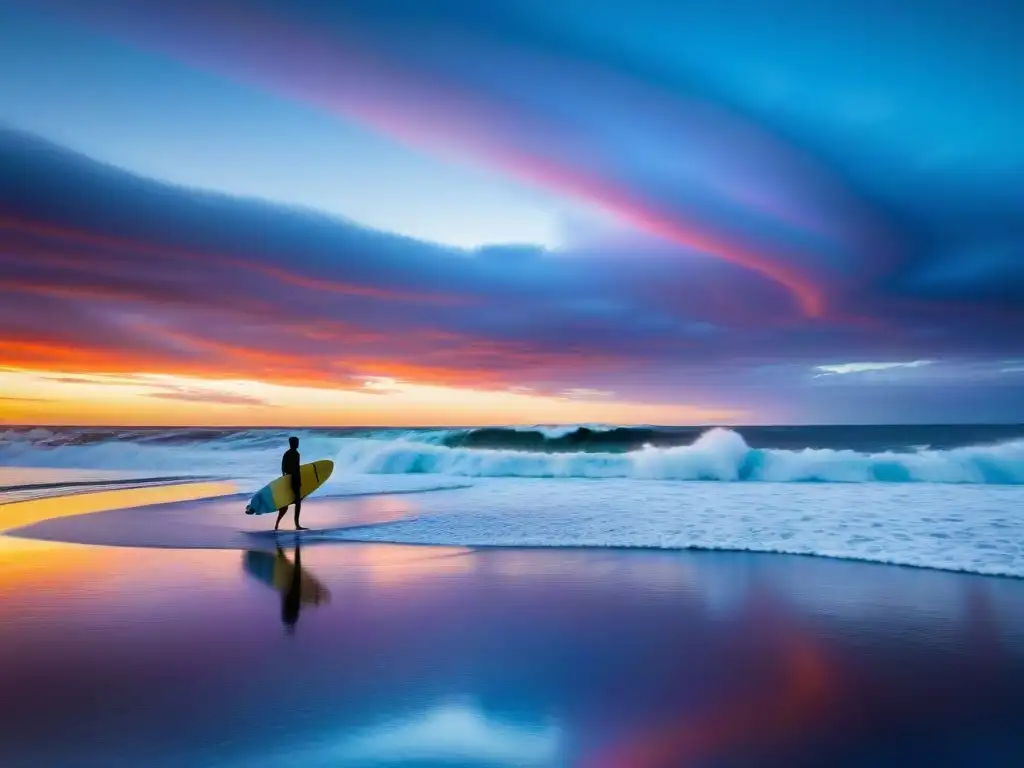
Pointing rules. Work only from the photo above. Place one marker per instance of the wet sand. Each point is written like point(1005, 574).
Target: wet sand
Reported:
point(24, 484)
point(383, 655)
point(213, 523)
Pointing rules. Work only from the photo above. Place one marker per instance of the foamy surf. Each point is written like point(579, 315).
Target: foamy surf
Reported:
point(977, 529)
point(958, 507)
point(716, 455)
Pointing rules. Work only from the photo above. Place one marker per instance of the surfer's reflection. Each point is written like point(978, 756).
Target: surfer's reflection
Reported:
point(298, 587)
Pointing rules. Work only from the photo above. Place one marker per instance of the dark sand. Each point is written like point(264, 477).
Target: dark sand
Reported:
point(389, 655)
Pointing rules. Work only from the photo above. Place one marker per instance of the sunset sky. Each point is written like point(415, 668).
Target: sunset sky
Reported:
point(451, 212)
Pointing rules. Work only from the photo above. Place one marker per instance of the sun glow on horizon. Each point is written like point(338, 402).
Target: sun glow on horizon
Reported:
point(145, 399)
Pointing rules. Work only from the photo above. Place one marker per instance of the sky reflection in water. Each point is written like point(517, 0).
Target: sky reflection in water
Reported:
point(447, 657)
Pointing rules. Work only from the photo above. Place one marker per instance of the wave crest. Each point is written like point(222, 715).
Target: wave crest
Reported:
point(717, 455)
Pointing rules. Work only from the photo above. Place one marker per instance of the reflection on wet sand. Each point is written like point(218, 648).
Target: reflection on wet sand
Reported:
point(501, 657)
point(445, 733)
point(387, 564)
point(217, 522)
point(43, 566)
point(765, 713)
point(298, 587)
point(21, 513)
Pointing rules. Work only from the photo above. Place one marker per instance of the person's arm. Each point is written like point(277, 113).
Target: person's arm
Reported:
point(291, 463)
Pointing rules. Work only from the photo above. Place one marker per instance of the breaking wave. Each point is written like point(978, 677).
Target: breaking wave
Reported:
point(912, 502)
point(716, 454)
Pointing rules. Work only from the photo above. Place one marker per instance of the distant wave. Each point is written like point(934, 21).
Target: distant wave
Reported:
point(623, 439)
point(717, 455)
point(640, 453)
point(930, 506)
point(588, 438)
point(575, 437)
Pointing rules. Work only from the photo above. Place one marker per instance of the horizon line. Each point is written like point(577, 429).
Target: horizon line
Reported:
point(587, 425)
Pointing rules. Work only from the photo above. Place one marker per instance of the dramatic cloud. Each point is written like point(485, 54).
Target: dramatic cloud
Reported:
point(153, 387)
point(107, 273)
point(670, 156)
point(775, 208)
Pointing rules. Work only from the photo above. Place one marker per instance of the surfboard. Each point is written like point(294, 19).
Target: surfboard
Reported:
point(277, 494)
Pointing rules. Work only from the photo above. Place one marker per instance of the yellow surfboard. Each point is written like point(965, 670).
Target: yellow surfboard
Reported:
point(278, 494)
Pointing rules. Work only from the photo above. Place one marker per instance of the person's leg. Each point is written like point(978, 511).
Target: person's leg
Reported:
point(280, 515)
point(296, 488)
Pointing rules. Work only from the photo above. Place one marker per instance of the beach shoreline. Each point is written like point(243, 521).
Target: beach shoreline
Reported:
point(511, 651)
point(188, 513)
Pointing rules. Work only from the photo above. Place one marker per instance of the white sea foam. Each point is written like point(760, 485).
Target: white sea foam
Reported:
point(959, 509)
point(719, 454)
point(963, 528)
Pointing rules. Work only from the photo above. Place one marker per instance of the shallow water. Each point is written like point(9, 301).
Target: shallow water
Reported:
point(978, 529)
point(949, 497)
point(446, 656)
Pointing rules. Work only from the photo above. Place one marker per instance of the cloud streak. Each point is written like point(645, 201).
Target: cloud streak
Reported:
point(207, 396)
point(842, 369)
point(422, 99)
point(672, 157)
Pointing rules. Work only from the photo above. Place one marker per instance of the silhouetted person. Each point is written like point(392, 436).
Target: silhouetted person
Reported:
point(290, 466)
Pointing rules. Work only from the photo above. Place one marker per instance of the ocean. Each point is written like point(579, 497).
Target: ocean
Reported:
point(934, 496)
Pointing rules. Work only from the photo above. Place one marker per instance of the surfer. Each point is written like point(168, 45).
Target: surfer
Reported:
point(290, 466)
